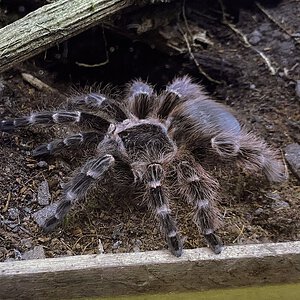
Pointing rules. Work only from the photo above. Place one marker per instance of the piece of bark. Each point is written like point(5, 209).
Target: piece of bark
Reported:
point(52, 24)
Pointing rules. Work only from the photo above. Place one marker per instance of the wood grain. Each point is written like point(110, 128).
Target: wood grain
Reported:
point(50, 25)
point(150, 272)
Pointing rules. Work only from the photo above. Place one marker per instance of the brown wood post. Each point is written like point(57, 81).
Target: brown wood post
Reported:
point(52, 24)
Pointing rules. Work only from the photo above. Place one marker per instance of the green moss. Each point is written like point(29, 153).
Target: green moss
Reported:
point(274, 292)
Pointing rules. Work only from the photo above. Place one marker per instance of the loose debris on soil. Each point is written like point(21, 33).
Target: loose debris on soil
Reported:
point(248, 58)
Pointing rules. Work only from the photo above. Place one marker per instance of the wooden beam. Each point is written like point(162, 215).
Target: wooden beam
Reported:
point(150, 272)
point(50, 25)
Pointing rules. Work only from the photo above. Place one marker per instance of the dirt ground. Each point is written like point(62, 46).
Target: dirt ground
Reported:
point(254, 211)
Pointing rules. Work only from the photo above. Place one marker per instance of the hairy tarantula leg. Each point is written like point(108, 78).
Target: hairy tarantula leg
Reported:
point(255, 155)
point(179, 91)
point(57, 117)
point(200, 190)
point(158, 202)
point(214, 242)
point(184, 88)
point(102, 103)
point(92, 171)
point(71, 142)
point(226, 145)
point(140, 96)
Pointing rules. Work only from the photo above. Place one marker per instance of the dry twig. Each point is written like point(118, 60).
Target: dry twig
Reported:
point(245, 41)
point(37, 83)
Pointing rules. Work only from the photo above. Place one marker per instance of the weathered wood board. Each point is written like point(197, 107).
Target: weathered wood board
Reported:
point(150, 272)
point(50, 25)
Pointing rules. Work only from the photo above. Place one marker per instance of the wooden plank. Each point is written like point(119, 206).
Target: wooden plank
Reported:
point(50, 25)
point(150, 272)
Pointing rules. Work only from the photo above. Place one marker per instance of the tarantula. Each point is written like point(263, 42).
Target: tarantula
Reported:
point(162, 139)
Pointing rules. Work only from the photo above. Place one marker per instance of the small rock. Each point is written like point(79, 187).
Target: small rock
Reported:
point(258, 211)
point(16, 229)
point(2, 87)
point(3, 252)
point(41, 215)
point(13, 213)
point(292, 155)
point(43, 239)
point(42, 164)
point(280, 204)
point(100, 247)
point(26, 243)
point(118, 231)
point(43, 196)
point(137, 245)
point(255, 37)
point(18, 255)
point(27, 210)
point(117, 244)
point(265, 27)
point(297, 88)
point(7, 101)
point(138, 242)
point(78, 246)
point(36, 253)
point(273, 195)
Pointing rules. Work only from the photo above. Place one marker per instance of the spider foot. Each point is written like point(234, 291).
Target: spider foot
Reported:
point(50, 224)
point(7, 125)
point(214, 242)
point(41, 151)
point(175, 245)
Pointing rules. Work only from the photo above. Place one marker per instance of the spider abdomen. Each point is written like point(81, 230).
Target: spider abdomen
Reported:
point(202, 119)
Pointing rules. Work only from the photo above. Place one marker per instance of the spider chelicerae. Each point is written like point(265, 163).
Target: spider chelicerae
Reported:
point(162, 141)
